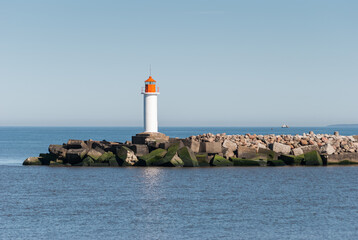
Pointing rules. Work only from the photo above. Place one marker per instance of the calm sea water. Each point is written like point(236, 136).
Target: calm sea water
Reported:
point(168, 203)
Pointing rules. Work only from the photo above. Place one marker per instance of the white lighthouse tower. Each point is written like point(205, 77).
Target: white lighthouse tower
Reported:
point(150, 106)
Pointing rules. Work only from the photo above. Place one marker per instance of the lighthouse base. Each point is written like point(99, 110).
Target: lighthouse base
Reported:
point(145, 137)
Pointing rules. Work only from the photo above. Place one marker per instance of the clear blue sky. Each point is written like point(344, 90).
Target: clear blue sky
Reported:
point(217, 63)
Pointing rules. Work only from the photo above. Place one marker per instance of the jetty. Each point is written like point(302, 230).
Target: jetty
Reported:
point(206, 150)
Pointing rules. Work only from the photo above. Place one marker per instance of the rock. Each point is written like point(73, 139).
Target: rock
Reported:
point(310, 148)
point(246, 152)
point(74, 156)
point(219, 161)
point(228, 153)
point(329, 149)
point(171, 159)
point(139, 149)
point(150, 158)
point(203, 159)
point(75, 144)
point(261, 146)
point(247, 162)
point(210, 147)
point(230, 145)
point(58, 150)
point(275, 163)
point(193, 145)
point(94, 154)
point(336, 133)
point(87, 161)
point(46, 158)
point(292, 160)
point(164, 145)
point(355, 137)
point(280, 148)
point(127, 156)
point(32, 161)
point(188, 157)
point(145, 137)
point(313, 159)
point(105, 157)
point(271, 155)
point(304, 142)
point(297, 151)
point(336, 158)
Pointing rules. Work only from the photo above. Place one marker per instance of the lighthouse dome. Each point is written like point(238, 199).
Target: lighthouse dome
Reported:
point(150, 79)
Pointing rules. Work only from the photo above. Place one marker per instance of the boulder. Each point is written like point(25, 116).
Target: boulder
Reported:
point(139, 149)
point(87, 161)
point(228, 153)
point(58, 150)
point(210, 147)
point(328, 149)
point(280, 148)
point(75, 144)
point(271, 155)
point(127, 156)
point(171, 158)
point(230, 145)
point(74, 156)
point(105, 157)
point(193, 145)
point(297, 151)
point(246, 152)
point(219, 161)
point(310, 148)
point(247, 162)
point(188, 157)
point(150, 158)
point(46, 158)
point(313, 159)
point(32, 161)
point(94, 154)
point(203, 159)
point(355, 137)
point(164, 145)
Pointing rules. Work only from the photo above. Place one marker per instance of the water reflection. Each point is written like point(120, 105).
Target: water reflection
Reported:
point(152, 178)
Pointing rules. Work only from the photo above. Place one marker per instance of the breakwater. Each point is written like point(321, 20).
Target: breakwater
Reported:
point(156, 149)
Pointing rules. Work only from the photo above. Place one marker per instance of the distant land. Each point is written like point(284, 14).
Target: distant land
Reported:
point(343, 125)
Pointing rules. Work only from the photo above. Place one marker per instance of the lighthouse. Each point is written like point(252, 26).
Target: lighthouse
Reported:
point(150, 96)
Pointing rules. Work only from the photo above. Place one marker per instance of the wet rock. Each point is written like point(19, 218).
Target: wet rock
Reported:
point(248, 163)
point(152, 157)
point(188, 157)
point(313, 159)
point(219, 161)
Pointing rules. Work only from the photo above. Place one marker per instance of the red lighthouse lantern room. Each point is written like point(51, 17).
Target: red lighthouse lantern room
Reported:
point(150, 84)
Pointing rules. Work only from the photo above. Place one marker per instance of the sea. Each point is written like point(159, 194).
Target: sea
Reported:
point(40, 202)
